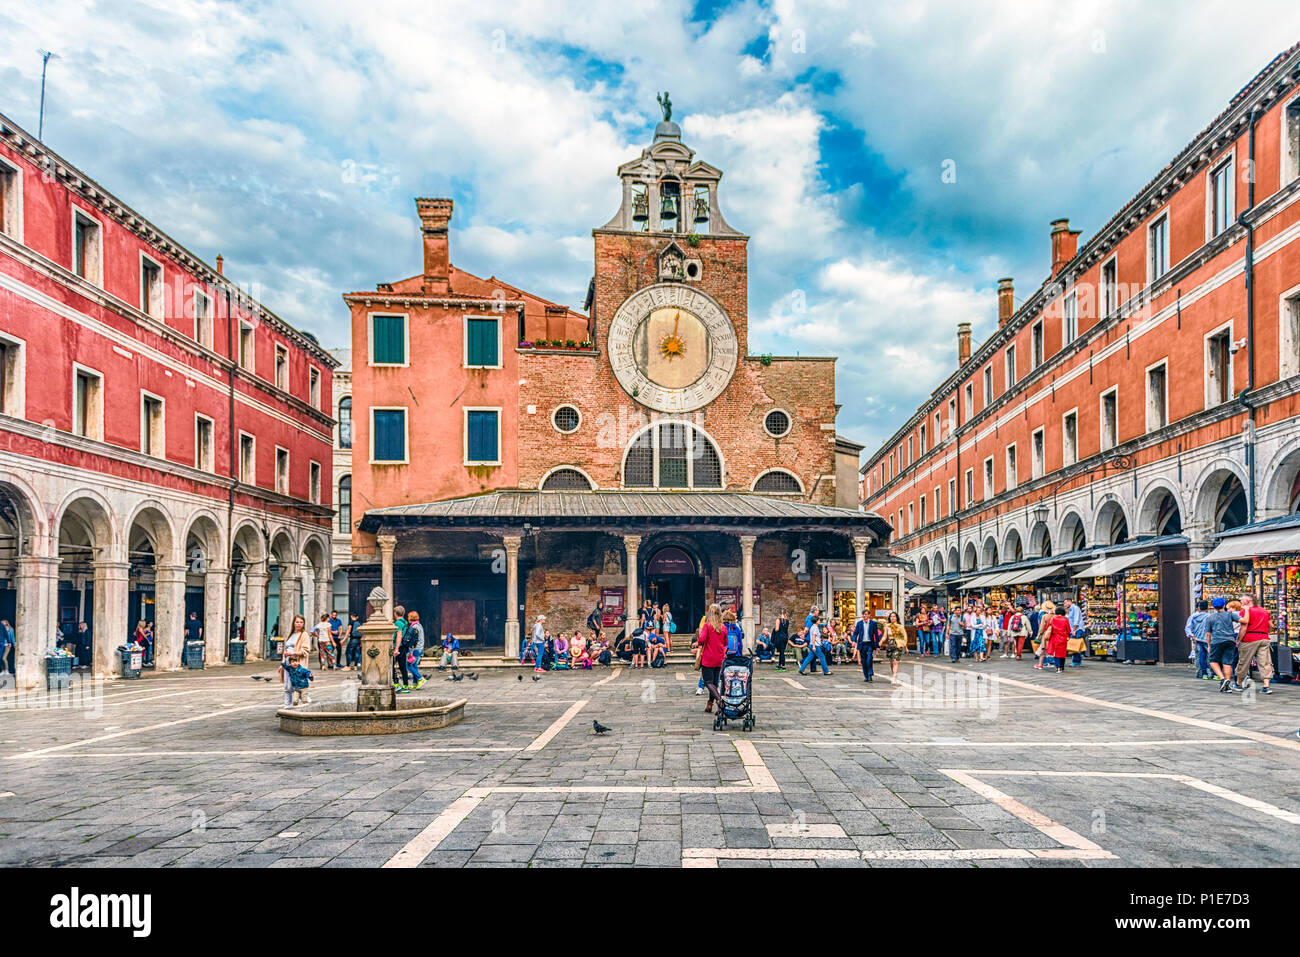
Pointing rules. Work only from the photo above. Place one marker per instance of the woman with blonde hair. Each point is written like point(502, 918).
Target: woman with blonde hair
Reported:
point(895, 644)
point(297, 648)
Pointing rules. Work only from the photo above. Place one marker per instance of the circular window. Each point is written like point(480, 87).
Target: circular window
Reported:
point(777, 423)
point(566, 419)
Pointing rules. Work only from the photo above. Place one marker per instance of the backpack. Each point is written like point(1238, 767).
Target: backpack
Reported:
point(735, 639)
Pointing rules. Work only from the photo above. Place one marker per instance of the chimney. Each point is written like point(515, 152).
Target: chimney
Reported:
point(1065, 243)
point(220, 265)
point(963, 343)
point(435, 214)
point(1006, 301)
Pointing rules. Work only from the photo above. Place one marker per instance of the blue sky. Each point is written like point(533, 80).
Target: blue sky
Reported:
point(292, 136)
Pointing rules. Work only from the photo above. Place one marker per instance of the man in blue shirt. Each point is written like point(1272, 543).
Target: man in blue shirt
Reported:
point(1195, 630)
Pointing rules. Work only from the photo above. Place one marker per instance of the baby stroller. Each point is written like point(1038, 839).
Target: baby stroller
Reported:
point(736, 684)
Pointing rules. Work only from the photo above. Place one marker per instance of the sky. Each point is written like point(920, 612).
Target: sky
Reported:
point(890, 161)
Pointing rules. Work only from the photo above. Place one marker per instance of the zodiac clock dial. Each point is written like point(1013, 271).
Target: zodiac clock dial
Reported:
point(672, 347)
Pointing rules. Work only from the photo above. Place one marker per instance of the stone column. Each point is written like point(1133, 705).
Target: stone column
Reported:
point(255, 579)
point(631, 604)
point(111, 629)
point(216, 614)
point(324, 596)
point(747, 587)
point(169, 615)
point(512, 544)
point(860, 545)
point(37, 586)
point(290, 596)
point(387, 546)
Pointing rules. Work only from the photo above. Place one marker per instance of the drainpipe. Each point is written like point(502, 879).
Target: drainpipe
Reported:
point(231, 433)
point(1247, 220)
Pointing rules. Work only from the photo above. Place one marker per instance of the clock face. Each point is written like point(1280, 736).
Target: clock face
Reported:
point(672, 347)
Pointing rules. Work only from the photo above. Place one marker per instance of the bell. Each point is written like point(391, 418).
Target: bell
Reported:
point(640, 208)
point(701, 209)
point(669, 208)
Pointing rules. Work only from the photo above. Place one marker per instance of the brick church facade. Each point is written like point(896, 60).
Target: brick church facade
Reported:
point(514, 457)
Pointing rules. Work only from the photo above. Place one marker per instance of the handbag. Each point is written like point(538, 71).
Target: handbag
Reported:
point(1076, 646)
point(698, 652)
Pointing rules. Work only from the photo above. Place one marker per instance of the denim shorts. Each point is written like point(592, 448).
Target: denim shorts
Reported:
point(1221, 652)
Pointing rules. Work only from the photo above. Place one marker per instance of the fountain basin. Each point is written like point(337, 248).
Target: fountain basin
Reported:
point(413, 713)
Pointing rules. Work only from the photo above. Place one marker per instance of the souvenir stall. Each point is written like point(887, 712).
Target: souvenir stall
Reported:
point(1125, 597)
point(1101, 602)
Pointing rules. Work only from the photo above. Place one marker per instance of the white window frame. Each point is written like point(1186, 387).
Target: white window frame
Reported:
point(198, 449)
point(406, 430)
point(252, 459)
point(1106, 292)
point(969, 397)
point(406, 341)
point(990, 478)
point(1101, 419)
point(251, 365)
point(1037, 344)
point(910, 446)
point(98, 435)
point(162, 287)
point(1069, 318)
point(1227, 161)
point(203, 318)
point(938, 505)
point(988, 385)
point(1287, 170)
point(464, 429)
point(970, 487)
point(1146, 381)
point(145, 395)
point(953, 505)
point(1074, 453)
point(911, 517)
point(464, 334)
point(313, 386)
point(288, 470)
point(1010, 354)
point(281, 350)
point(920, 437)
point(1288, 357)
point(314, 481)
point(16, 393)
point(1038, 452)
point(17, 172)
point(1152, 222)
point(920, 512)
point(77, 211)
point(1211, 403)
point(1012, 468)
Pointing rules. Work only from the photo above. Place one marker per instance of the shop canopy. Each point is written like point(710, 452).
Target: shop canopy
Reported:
point(1113, 565)
point(916, 592)
point(1253, 544)
point(1027, 576)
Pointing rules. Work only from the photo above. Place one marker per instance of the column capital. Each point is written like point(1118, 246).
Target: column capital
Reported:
point(631, 542)
point(861, 543)
point(216, 570)
point(122, 568)
point(747, 542)
point(512, 543)
point(386, 543)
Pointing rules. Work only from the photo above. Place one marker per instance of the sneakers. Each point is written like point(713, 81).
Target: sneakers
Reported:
point(1247, 683)
point(421, 683)
point(778, 668)
point(1266, 690)
point(699, 691)
point(1225, 686)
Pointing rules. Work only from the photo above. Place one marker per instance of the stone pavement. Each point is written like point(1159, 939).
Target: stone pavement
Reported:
point(959, 766)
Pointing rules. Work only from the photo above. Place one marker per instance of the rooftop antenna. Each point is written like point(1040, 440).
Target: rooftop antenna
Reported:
point(45, 62)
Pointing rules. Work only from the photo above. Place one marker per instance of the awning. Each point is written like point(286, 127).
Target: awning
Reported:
point(914, 579)
point(913, 593)
point(1255, 543)
point(1113, 564)
point(980, 581)
point(1028, 576)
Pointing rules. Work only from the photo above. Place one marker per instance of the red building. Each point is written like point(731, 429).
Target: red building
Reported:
point(1140, 411)
point(165, 440)
point(512, 455)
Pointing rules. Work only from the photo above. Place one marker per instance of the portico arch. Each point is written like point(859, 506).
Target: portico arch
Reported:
point(27, 603)
point(1160, 512)
point(92, 582)
point(1072, 536)
point(1221, 498)
point(1112, 524)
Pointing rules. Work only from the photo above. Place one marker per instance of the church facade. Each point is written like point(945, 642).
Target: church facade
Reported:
point(514, 457)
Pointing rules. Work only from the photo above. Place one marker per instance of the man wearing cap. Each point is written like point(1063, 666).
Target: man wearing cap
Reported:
point(1221, 630)
point(1255, 645)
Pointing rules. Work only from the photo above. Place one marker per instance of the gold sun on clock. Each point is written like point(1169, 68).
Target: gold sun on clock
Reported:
point(673, 346)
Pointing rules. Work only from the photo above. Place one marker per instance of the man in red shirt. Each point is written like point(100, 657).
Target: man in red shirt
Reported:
point(1254, 645)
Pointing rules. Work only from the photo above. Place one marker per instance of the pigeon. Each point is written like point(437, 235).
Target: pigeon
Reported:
point(598, 727)
point(473, 677)
point(456, 677)
point(519, 677)
point(537, 677)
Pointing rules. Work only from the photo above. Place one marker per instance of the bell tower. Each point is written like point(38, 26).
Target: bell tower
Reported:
point(669, 228)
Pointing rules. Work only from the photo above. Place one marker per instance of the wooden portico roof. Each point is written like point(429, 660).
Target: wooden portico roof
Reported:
point(625, 510)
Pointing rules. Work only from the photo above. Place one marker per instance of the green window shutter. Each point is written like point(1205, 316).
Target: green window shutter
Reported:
point(390, 435)
point(481, 429)
point(482, 346)
point(389, 342)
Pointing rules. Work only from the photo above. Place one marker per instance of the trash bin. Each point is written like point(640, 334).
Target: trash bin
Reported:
point(132, 660)
point(193, 655)
point(272, 649)
point(238, 650)
point(58, 672)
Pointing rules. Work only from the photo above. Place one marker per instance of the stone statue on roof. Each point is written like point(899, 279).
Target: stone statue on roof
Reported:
point(666, 105)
